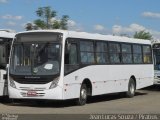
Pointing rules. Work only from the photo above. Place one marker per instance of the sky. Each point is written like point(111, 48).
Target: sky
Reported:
point(118, 17)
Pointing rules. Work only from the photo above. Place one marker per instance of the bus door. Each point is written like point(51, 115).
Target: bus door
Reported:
point(71, 56)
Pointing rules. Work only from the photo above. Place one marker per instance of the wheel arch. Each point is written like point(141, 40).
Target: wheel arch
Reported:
point(89, 86)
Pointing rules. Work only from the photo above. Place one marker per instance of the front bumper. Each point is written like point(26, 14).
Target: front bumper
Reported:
point(156, 80)
point(48, 94)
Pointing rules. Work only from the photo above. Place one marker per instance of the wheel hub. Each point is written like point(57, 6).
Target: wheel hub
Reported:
point(132, 89)
point(83, 94)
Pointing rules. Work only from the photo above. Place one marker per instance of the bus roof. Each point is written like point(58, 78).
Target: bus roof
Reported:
point(6, 33)
point(94, 36)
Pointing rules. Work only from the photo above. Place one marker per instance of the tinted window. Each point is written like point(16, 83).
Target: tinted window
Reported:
point(114, 50)
point(137, 54)
point(156, 52)
point(147, 56)
point(71, 57)
point(2, 54)
point(101, 53)
point(87, 52)
point(4, 51)
point(126, 53)
point(35, 59)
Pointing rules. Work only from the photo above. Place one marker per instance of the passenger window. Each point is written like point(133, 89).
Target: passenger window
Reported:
point(147, 55)
point(126, 53)
point(101, 53)
point(114, 50)
point(137, 54)
point(87, 52)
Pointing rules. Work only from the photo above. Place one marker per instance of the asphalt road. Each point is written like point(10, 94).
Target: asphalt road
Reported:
point(146, 101)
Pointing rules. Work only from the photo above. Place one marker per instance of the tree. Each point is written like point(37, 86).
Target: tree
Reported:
point(40, 23)
point(47, 19)
point(143, 35)
point(30, 26)
point(46, 14)
point(64, 22)
point(56, 24)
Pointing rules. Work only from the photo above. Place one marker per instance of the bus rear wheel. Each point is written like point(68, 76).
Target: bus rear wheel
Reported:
point(131, 88)
point(83, 95)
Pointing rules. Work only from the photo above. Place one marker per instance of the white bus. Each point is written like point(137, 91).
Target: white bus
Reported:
point(61, 65)
point(6, 38)
point(156, 54)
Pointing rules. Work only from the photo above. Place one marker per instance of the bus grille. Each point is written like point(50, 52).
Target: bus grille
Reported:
point(33, 81)
point(35, 89)
point(29, 79)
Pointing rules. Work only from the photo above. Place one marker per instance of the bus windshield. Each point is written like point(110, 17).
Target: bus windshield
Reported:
point(4, 52)
point(35, 58)
point(156, 59)
point(3, 61)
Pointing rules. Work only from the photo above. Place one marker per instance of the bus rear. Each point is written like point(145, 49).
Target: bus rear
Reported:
point(35, 64)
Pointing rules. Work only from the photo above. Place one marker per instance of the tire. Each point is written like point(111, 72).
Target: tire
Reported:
point(83, 95)
point(131, 88)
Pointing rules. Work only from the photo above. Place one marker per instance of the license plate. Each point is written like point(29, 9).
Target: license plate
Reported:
point(31, 93)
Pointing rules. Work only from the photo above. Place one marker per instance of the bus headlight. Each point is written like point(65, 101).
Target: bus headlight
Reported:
point(54, 83)
point(12, 84)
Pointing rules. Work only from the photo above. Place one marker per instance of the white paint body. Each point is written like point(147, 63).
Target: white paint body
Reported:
point(104, 78)
point(4, 34)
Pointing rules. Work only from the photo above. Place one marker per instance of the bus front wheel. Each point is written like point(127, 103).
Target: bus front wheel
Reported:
point(83, 95)
point(131, 88)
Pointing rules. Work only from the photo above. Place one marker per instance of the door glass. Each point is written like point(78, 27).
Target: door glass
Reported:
point(71, 58)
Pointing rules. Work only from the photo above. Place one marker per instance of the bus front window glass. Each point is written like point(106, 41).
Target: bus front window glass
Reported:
point(36, 59)
point(156, 52)
point(2, 56)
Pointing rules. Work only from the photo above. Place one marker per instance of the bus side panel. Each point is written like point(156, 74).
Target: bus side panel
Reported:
point(107, 78)
point(147, 76)
point(72, 85)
